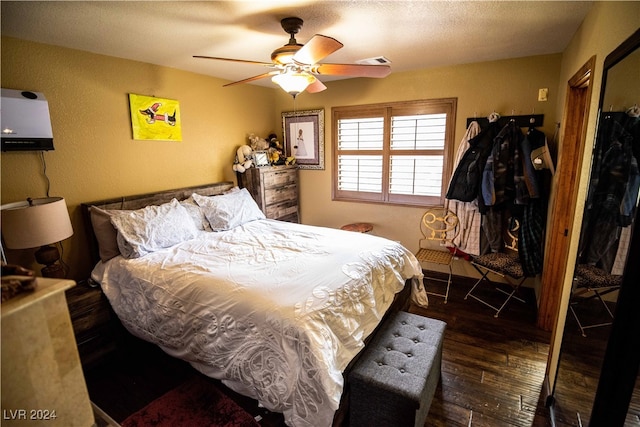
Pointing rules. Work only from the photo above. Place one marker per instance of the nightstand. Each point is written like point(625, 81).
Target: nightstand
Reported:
point(93, 324)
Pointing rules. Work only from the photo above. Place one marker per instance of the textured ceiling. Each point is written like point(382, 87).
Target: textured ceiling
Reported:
point(411, 34)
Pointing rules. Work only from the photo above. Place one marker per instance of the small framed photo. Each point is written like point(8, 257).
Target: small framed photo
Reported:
point(261, 158)
point(304, 137)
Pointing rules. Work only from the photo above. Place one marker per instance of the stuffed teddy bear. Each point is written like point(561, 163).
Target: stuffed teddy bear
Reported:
point(276, 154)
point(257, 143)
point(289, 161)
point(244, 159)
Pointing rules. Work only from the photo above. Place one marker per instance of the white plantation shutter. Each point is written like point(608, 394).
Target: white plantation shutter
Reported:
point(420, 132)
point(416, 175)
point(360, 173)
point(361, 134)
point(393, 155)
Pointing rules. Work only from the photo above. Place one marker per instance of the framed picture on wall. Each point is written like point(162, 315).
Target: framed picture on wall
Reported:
point(155, 118)
point(303, 133)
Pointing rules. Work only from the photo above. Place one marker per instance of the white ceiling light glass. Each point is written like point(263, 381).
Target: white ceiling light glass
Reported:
point(293, 82)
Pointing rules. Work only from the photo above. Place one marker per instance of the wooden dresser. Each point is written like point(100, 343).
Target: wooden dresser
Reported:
point(275, 190)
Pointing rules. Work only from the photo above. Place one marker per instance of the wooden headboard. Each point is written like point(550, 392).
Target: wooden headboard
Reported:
point(141, 200)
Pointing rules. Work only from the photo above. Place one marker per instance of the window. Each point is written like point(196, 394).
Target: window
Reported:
point(393, 153)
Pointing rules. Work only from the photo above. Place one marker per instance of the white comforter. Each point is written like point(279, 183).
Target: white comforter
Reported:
point(275, 310)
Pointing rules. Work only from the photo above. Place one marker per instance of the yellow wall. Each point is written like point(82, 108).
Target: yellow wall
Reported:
point(95, 156)
point(507, 87)
point(606, 26)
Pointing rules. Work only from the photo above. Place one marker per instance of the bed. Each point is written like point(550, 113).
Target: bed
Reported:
point(277, 311)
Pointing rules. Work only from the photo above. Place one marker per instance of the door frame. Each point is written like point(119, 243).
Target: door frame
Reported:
point(564, 199)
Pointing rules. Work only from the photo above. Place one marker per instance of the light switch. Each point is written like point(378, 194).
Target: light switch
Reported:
point(543, 94)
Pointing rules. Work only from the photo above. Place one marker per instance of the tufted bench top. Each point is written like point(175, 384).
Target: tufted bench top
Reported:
point(398, 372)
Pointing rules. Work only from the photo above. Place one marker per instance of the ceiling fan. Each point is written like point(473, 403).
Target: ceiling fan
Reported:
point(295, 65)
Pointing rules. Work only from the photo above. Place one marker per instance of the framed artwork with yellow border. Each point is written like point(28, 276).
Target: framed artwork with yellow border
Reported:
point(155, 118)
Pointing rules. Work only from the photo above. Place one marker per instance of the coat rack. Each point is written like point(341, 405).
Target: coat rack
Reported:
point(527, 120)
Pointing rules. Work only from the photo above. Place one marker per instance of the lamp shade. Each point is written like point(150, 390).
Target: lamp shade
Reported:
point(35, 222)
point(293, 83)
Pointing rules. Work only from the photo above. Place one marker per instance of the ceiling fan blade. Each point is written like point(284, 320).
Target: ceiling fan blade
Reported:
point(355, 70)
point(316, 87)
point(234, 60)
point(251, 79)
point(316, 49)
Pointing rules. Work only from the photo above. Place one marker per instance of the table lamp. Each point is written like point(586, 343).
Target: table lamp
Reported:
point(38, 223)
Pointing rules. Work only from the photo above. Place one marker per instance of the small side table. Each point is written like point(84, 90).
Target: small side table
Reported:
point(360, 227)
point(93, 325)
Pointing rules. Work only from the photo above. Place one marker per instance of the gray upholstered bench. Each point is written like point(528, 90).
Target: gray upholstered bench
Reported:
point(395, 379)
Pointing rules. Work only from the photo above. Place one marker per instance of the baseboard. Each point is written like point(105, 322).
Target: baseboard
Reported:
point(101, 418)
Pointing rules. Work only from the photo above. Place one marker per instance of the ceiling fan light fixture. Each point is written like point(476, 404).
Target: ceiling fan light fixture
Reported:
point(284, 55)
point(293, 82)
point(294, 65)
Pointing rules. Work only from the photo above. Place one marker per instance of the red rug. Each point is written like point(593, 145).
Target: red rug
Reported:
point(197, 402)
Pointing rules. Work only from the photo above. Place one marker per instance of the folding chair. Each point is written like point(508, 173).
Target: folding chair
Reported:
point(589, 279)
point(439, 226)
point(505, 264)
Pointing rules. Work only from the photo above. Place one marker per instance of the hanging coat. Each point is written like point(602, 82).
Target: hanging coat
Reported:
point(468, 239)
point(527, 185)
point(498, 174)
point(465, 182)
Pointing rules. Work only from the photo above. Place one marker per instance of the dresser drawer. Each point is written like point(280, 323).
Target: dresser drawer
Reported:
point(88, 308)
point(279, 178)
point(275, 190)
point(282, 210)
point(290, 218)
point(84, 298)
point(280, 194)
point(92, 322)
point(89, 320)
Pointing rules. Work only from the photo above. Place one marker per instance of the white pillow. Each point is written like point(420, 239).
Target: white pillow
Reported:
point(196, 214)
point(230, 210)
point(152, 228)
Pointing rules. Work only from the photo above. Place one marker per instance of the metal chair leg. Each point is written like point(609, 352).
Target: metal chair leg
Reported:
point(597, 295)
point(509, 294)
point(446, 294)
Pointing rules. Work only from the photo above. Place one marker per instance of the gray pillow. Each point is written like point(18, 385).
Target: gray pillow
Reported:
point(105, 233)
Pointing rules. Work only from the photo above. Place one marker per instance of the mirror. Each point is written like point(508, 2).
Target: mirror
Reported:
point(610, 211)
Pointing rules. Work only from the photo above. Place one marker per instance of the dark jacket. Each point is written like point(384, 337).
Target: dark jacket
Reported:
point(466, 179)
point(498, 175)
point(614, 186)
point(527, 184)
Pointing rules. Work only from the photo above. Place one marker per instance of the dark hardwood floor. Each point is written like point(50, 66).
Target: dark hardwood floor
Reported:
point(580, 365)
point(493, 368)
point(492, 371)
